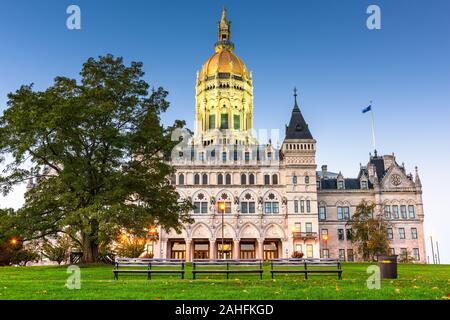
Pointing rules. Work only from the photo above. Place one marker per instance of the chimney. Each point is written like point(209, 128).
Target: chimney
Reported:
point(324, 171)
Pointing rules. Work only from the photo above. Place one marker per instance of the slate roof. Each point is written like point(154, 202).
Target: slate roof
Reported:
point(297, 128)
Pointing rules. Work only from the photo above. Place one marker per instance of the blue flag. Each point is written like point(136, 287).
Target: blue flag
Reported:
point(369, 108)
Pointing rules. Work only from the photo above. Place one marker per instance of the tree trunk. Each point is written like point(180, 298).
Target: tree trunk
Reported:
point(90, 250)
point(90, 244)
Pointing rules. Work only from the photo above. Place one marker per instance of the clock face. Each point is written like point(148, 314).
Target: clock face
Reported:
point(396, 180)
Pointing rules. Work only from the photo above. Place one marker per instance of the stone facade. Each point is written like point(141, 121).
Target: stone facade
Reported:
point(276, 202)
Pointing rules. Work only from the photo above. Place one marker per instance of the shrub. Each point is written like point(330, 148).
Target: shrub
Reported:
point(57, 251)
point(297, 255)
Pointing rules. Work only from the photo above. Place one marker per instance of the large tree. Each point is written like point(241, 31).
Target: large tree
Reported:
point(369, 232)
point(94, 150)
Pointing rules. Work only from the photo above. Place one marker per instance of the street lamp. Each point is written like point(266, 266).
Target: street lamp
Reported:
point(153, 232)
point(325, 238)
point(222, 207)
point(13, 241)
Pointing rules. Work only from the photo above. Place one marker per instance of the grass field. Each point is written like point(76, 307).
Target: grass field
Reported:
point(414, 282)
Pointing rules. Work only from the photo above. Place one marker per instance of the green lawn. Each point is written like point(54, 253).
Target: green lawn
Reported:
point(414, 282)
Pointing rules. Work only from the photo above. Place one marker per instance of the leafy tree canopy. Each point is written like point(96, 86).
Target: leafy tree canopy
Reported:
point(369, 233)
point(93, 149)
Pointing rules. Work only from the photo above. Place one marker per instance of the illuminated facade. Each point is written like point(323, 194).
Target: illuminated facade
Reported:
point(276, 202)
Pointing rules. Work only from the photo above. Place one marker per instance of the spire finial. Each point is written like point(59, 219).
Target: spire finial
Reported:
point(295, 96)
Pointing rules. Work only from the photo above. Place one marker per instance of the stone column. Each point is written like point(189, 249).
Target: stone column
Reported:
point(163, 250)
point(260, 252)
point(212, 248)
point(285, 246)
point(188, 250)
point(236, 248)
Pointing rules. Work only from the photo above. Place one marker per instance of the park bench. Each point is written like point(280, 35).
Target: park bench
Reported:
point(148, 266)
point(207, 266)
point(306, 266)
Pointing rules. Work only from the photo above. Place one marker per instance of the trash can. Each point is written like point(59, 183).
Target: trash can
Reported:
point(388, 266)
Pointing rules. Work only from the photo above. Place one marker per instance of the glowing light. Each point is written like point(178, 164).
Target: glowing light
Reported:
point(123, 237)
point(293, 229)
point(325, 237)
point(14, 241)
point(222, 206)
point(153, 230)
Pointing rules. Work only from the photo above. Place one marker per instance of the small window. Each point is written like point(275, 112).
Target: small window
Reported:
point(302, 206)
point(395, 212)
point(181, 179)
point(294, 180)
point(196, 178)
point(413, 233)
point(247, 156)
point(401, 232)
point(342, 254)
point(266, 179)
point(296, 206)
point(341, 185)
point(306, 179)
point(363, 184)
point(236, 122)
point(219, 178)
point(212, 121)
point(228, 178)
point(416, 254)
point(204, 178)
point(243, 179)
point(390, 234)
point(403, 211)
point(308, 227)
point(411, 212)
point(308, 206)
point(322, 213)
point(387, 212)
point(251, 179)
point(269, 155)
point(274, 179)
point(224, 121)
point(340, 234)
point(224, 156)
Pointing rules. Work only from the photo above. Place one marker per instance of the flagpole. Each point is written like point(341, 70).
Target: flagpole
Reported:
point(373, 129)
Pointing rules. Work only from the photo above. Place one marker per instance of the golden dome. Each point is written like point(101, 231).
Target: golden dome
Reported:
point(224, 61)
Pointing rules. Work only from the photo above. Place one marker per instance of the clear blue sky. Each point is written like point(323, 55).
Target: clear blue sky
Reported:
point(322, 47)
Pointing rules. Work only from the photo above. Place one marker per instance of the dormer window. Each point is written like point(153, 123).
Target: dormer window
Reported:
point(364, 184)
point(269, 155)
point(340, 184)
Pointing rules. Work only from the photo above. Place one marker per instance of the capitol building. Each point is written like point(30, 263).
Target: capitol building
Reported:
point(263, 201)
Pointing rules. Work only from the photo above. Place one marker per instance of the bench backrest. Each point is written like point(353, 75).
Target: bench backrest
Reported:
point(145, 262)
point(227, 263)
point(306, 263)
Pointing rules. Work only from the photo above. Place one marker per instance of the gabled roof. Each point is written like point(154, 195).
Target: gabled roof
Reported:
point(297, 128)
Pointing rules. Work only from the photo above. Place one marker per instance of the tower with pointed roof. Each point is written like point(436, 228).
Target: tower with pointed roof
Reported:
point(298, 154)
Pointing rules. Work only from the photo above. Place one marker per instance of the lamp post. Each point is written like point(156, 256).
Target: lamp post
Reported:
point(432, 249)
point(222, 207)
point(325, 238)
point(153, 232)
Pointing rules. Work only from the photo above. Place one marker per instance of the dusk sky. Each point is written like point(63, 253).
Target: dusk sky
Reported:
point(324, 48)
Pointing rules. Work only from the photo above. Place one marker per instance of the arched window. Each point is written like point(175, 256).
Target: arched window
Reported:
point(248, 203)
point(266, 179)
point(271, 204)
point(200, 203)
point(251, 179)
point(243, 179)
point(181, 179)
point(274, 179)
point(196, 178)
point(306, 179)
point(220, 178)
point(294, 180)
point(204, 178)
point(228, 179)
